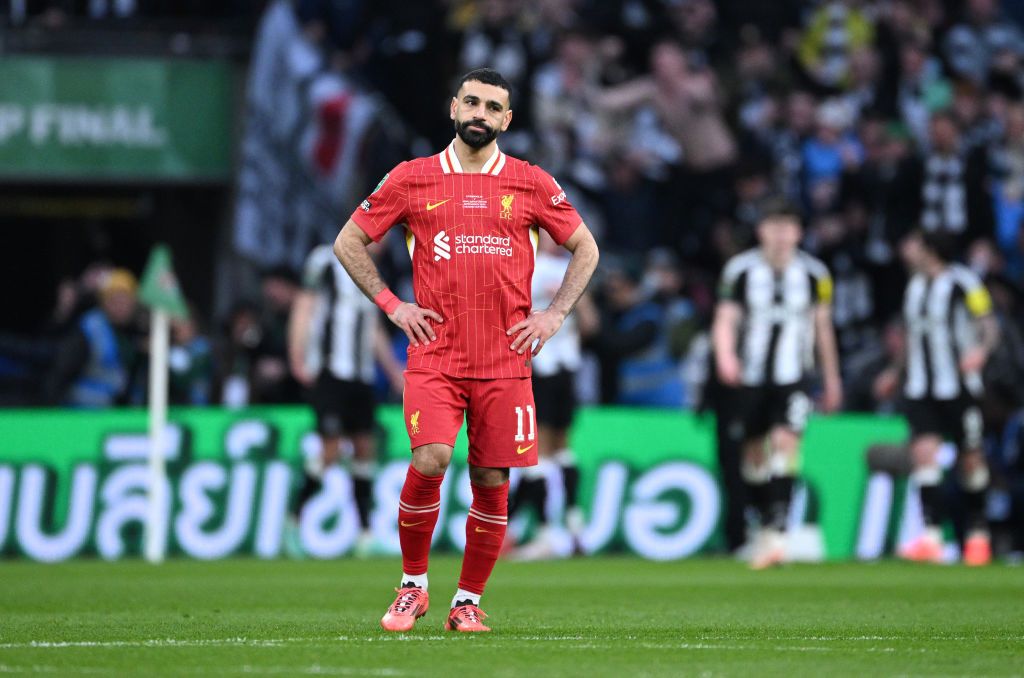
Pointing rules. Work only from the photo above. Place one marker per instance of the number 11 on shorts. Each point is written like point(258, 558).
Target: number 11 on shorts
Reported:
point(519, 423)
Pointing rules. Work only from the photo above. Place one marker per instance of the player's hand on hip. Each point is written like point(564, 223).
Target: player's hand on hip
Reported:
point(537, 327)
point(415, 322)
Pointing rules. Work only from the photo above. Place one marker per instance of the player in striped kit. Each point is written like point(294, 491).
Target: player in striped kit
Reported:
point(334, 335)
point(773, 309)
point(471, 215)
point(554, 389)
point(950, 332)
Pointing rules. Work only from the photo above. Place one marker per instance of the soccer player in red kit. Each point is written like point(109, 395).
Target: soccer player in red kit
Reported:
point(471, 215)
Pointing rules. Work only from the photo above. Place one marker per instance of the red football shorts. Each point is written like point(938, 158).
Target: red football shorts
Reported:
point(500, 414)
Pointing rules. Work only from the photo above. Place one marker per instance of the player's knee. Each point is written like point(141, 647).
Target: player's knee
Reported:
point(974, 474)
point(488, 477)
point(330, 450)
point(784, 441)
point(924, 452)
point(363, 448)
point(432, 460)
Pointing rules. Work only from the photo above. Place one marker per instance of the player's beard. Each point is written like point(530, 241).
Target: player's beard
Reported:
point(473, 138)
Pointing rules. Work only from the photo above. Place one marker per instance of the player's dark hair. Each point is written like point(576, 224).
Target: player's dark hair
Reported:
point(487, 76)
point(779, 207)
point(941, 244)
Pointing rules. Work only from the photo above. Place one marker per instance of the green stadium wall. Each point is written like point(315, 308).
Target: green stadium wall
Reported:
point(72, 483)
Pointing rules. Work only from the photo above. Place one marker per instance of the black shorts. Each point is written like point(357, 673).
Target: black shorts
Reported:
point(759, 409)
point(958, 420)
point(342, 407)
point(555, 397)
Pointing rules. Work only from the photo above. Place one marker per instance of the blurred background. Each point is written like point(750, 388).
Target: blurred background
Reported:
point(242, 133)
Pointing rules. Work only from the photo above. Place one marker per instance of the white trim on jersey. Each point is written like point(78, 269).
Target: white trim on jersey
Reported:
point(450, 161)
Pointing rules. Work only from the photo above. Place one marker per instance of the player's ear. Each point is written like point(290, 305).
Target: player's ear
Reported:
point(453, 107)
point(507, 121)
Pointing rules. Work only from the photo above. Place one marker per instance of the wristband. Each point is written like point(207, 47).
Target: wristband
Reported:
point(387, 301)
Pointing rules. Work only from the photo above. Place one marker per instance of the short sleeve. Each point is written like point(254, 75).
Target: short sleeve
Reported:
point(386, 206)
point(316, 265)
point(731, 282)
point(823, 287)
point(552, 209)
point(976, 296)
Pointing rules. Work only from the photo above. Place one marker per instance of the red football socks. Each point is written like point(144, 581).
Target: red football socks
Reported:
point(485, 532)
point(418, 507)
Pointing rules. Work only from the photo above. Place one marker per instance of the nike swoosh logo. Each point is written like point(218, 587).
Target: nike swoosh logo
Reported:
point(480, 529)
point(405, 524)
point(520, 450)
point(434, 205)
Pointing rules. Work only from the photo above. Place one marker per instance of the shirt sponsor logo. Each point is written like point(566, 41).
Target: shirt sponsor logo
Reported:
point(493, 245)
point(558, 199)
point(506, 206)
point(484, 244)
point(442, 246)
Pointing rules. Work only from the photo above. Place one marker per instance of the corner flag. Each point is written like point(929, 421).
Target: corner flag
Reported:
point(160, 291)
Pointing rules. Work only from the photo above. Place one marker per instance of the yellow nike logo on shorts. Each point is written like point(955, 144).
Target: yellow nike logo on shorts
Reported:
point(520, 450)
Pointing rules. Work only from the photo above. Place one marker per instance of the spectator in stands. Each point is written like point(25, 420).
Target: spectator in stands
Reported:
point(833, 150)
point(835, 31)
point(633, 346)
point(191, 363)
point(97, 364)
point(1007, 186)
point(979, 38)
point(944, 190)
point(272, 380)
point(922, 88)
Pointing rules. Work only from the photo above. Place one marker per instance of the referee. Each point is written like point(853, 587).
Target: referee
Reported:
point(773, 309)
point(333, 335)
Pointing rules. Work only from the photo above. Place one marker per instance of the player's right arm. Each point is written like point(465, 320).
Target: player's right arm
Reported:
point(350, 248)
point(298, 335)
point(728, 315)
point(723, 338)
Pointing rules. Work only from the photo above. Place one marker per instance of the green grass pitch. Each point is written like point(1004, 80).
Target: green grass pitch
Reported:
point(590, 617)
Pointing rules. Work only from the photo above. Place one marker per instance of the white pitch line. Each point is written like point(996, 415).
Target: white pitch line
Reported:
point(700, 642)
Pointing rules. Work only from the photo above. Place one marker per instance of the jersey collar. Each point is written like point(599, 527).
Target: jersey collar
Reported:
point(450, 161)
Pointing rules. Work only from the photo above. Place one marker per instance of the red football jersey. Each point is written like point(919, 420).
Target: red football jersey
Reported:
point(472, 239)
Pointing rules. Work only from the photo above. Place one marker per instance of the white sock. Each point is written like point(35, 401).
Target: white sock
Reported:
point(462, 594)
point(419, 580)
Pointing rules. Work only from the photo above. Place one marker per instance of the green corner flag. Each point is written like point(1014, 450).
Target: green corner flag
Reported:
point(159, 288)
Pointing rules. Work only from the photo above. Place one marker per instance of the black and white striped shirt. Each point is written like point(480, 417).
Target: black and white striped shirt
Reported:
point(344, 321)
point(776, 338)
point(939, 314)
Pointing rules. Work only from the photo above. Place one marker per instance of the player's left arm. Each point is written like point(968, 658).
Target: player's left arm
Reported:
point(541, 325)
point(825, 338)
point(979, 305)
